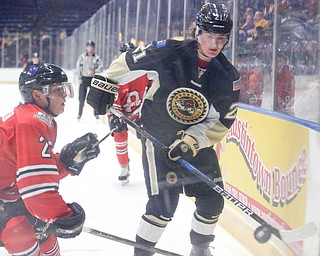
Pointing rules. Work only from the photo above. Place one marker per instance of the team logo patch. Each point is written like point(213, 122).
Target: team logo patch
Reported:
point(187, 106)
point(44, 118)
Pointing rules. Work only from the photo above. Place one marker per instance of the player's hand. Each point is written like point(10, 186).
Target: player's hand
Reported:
point(101, 94)
point(77, 153)
point(63, 228)
point(72, 226)
point(185, 146)
point(117, 124)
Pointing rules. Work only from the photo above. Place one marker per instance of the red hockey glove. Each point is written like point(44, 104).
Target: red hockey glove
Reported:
point(185, 147)
point(101, 94)
point(76, 154)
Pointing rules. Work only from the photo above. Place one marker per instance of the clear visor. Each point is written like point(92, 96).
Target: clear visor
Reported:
point(59, 88)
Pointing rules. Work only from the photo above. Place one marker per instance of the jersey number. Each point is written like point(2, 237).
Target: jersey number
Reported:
point(232, 111)
point(133, 101)
point(45, 150)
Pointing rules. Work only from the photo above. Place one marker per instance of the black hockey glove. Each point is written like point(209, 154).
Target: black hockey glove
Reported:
point(76, 154)
point(185, 146)
point(71, 227)
point(117, 124)
point(101, 94)
point(67, 228)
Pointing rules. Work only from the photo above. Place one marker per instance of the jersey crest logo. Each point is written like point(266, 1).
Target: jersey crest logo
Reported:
point(44, 118)
point(187, 106)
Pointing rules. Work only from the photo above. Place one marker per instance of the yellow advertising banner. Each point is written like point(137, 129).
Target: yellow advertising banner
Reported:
point(264, 161)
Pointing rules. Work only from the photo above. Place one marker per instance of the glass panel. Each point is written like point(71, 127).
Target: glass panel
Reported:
point(176, 26)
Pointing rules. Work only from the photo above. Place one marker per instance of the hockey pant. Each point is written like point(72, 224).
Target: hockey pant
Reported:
point(165, 180)
point(17, 233)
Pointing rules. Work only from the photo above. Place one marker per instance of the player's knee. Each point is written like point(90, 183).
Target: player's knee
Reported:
point(19, 238)
point(211, 205)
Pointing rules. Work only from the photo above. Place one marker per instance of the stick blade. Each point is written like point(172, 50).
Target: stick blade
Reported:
point(299, 233)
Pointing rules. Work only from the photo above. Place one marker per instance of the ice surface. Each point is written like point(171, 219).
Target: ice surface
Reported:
point(110, 207)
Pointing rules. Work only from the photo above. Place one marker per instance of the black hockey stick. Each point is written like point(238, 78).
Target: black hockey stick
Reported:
point(106, 136)
point(263, 233)
point(128, 242)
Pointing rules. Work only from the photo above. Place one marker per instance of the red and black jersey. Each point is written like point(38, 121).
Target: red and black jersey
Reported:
point(130, 96)
point(29, 168)
point(285, 91)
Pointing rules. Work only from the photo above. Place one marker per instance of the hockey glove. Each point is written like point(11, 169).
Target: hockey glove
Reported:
point(185, 147)
point(117, 124)
point(67, 228)
point(101, 94)
point(72, 226)
point(76, 154)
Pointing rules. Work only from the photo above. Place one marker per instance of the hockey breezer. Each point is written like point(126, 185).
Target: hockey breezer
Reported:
point(263, 233)
point(128, 242)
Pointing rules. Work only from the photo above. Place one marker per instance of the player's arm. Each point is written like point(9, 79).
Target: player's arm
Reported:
point(37, 174)
point(105, 85)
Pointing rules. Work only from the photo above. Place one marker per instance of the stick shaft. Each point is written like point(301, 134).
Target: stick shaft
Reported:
point(128, 242)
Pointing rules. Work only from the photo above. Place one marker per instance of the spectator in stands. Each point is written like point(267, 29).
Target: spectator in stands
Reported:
point(285, 86)
point(87, 65)
point(260, 24)
point(247, 25)
point(269, 12)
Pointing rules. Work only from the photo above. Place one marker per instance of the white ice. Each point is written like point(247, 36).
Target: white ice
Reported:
point(110, 207)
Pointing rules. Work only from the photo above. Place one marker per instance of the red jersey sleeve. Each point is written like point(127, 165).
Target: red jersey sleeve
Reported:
point(37, 168)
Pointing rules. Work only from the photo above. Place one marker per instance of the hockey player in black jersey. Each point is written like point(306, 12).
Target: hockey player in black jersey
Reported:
point(190, 106)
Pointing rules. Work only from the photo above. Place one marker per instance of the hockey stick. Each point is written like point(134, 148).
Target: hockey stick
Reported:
point(106, 136)
point(128, 242)
point(263, 233)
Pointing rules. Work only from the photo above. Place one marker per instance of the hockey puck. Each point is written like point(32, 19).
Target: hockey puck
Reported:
point(262, 234)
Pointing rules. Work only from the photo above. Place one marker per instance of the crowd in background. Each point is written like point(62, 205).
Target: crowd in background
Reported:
point(297, 48)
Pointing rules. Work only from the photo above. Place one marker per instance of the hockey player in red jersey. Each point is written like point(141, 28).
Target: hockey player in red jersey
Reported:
point(285, 86)
point(251, 85)
point(128, 101)
point(190, 106)
point(32, 212)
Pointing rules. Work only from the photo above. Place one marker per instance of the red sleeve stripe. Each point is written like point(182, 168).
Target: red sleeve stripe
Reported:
point(34, 190)
point(36, 170)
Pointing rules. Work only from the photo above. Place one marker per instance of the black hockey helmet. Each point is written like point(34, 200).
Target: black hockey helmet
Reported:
point(91, 43)
point(38, 77)
point(214, 18)
point(126, 46)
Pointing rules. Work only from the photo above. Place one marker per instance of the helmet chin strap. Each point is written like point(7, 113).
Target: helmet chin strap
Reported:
point(47, 109)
